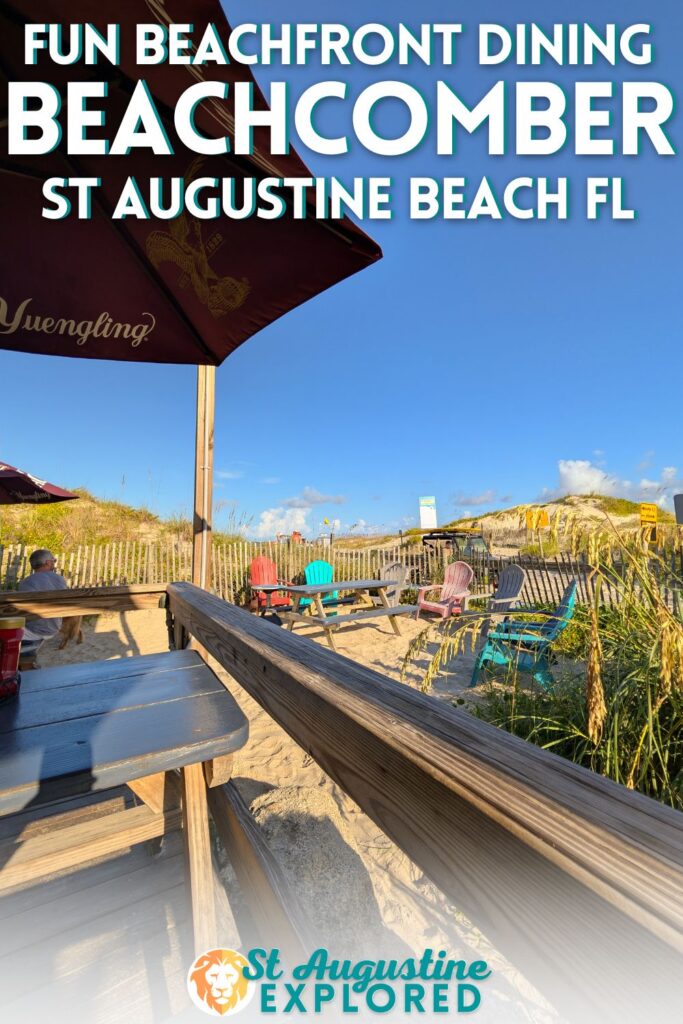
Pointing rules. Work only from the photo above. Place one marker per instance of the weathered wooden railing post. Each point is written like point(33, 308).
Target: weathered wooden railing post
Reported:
point(203, 477)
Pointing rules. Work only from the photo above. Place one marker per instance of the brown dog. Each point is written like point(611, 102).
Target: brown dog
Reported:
point(71, 629)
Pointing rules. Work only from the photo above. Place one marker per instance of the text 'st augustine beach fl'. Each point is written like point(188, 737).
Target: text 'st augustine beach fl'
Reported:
point(341, 511)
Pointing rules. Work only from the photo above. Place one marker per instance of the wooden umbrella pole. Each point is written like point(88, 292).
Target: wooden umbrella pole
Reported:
point(203, 477)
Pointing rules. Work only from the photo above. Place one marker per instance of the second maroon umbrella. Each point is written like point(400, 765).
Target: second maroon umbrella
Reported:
point(20, 488)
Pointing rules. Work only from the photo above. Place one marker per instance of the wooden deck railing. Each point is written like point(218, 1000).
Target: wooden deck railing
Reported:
point(85, 601)
point(577, 880)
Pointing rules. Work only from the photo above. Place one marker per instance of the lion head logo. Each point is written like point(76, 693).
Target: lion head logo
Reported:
point(216, 982)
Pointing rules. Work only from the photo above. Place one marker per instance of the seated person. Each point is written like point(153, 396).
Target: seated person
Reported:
point(43, 577)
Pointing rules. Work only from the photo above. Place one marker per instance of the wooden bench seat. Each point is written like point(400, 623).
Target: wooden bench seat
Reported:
point(331, 622)
point(370, 613)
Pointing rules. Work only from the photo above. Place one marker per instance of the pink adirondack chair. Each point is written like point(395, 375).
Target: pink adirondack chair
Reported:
point(452, 593)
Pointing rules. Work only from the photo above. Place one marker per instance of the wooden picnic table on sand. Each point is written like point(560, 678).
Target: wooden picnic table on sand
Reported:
point(84, 728)
point(330, 621)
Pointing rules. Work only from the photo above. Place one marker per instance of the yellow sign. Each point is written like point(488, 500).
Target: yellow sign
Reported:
point(648, 514)
point(537, 519)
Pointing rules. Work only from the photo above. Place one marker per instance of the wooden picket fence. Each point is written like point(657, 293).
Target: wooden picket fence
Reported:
point(119, 564)
point(104, 565)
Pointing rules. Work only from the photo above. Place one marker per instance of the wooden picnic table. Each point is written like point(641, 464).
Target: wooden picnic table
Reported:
point(84, 728)
point(332, 621)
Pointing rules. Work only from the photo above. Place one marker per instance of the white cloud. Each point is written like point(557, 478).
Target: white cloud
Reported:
point(485, 498)
point(229, 474)
point(281, 520)
point(580, 476)
point(310, 497)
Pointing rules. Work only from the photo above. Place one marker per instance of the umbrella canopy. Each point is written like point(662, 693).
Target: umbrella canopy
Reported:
point(20, 488)
point(171, 291)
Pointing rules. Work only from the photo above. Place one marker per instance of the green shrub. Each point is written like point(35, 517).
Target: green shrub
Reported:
point(636, 730)
point(547, 549)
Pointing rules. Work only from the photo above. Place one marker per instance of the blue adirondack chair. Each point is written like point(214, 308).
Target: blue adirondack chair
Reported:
point(526, 645)
point(320, 572)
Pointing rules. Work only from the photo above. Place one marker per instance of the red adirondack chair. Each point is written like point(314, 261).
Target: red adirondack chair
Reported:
point(263, 570)
point(452, 593)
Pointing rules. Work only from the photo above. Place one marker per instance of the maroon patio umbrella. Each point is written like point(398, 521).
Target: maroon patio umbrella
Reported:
point(181, 291)
point(171, 291)
point(20, 488)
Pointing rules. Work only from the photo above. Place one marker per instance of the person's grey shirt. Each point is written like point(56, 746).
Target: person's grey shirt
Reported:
point(42, 629)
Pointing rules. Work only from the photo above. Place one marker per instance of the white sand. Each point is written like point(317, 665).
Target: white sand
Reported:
point(362, 895)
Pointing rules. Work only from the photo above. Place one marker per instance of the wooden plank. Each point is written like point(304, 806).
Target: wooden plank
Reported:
point(390, 610)
point(559, 581)
point(141, 664)
point(91, 754)
point(179, 636)
point(122, 944)
point(45, 817)
point(117, 983)
point(218, 770)
point(30, 901)
point(159, 792)
point(533, 583)
point(198, 852)
point(331, 622)
point(108, 886)
point(203, 476)
point(105, 696)
point(66, 848)
point(322, 619)
point(84, 601)
point(84, 571)
point(528, 845)
point(277, 915)
point(311, 589)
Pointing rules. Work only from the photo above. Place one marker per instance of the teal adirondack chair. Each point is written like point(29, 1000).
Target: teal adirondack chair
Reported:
point(319, 572)
point(526, 645)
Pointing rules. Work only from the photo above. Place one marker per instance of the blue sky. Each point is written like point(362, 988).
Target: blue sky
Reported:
point(484, 363)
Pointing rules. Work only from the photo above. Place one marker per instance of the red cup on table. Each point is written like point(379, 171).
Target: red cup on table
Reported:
point(11, 635)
